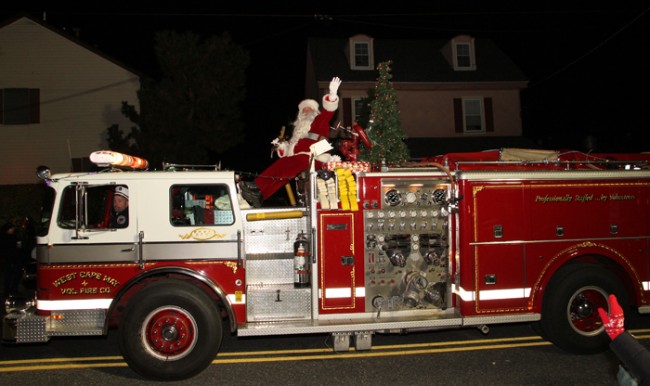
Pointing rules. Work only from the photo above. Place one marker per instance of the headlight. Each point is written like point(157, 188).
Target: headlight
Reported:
point(18, 304)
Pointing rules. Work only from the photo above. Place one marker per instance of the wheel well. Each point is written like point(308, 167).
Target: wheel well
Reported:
point(600, 261)
point(615, 269)
point(115, 313)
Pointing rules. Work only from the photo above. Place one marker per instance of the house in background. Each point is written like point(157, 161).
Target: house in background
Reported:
point(454, 95)
point(58, 96)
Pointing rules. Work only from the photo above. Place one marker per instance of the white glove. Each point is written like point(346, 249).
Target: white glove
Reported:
point(282, 149)
point(334, 86)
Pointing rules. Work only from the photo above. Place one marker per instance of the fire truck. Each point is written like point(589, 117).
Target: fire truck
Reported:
point(463, 240)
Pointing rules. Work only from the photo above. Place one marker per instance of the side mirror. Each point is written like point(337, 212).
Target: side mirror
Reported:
point(43, 172)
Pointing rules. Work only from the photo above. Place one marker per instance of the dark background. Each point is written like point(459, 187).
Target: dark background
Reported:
point(587, 63)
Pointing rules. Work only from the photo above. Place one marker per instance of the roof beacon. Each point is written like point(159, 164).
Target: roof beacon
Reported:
point(112, 158)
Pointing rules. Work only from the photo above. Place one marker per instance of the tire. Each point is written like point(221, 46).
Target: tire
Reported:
point(171, 330)
point(570, 309)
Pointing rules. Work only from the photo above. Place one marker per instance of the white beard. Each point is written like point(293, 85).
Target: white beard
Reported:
point(302, 125)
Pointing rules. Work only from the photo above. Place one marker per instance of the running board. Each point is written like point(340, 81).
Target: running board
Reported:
point(383, 324)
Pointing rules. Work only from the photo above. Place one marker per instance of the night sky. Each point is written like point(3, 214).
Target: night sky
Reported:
point(587, 63)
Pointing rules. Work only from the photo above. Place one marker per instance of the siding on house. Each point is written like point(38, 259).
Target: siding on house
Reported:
point(81, 93)
point(428, 88)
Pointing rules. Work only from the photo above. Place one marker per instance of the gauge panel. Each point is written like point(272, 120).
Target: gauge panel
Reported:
point(414, 193)
point(393, 197)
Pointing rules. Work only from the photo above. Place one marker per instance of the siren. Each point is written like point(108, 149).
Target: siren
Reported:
point(112, 158)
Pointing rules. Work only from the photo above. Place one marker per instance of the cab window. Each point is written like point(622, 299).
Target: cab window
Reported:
point(192, 205)
point(89, 207)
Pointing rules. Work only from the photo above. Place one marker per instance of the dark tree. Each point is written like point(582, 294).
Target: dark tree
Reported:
point(193, 113)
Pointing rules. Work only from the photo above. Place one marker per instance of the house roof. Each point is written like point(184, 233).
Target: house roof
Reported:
point(72, 38)
point(413, 60)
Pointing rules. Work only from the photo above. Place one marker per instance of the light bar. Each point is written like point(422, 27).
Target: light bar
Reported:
point(113, 158)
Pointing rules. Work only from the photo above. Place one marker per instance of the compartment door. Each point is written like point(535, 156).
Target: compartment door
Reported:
point(501, 228)
point(337, 268)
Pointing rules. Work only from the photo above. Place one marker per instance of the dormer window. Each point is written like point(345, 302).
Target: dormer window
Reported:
point(361, 53)
point(464, 58)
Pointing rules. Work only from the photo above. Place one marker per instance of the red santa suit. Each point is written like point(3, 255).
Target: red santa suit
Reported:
point(295, 157)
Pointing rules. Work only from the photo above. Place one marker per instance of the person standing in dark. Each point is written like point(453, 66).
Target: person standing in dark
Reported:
point(10, 252)
point(27, 248)
point(28, 238)
point(635, 358)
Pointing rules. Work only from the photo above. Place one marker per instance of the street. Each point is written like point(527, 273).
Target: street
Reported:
point(508, 355)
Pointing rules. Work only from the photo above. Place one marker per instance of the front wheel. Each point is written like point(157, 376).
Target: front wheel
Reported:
point(171, 330)
point(570, 310)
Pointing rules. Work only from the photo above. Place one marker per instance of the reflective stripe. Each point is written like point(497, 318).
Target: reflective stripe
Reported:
point(343, 293)
point(91, 304)
point(512, 293)
point(84, 304)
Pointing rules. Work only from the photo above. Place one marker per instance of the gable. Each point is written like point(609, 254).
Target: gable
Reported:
point(79, 95)
point(54, 52)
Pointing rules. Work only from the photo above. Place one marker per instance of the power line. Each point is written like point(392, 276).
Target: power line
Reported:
point(591, 51)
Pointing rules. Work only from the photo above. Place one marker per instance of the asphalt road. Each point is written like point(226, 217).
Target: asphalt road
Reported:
point(508, 355)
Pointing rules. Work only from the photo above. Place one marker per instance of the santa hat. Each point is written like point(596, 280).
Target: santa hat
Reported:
point(122, 191)
point(308, 103)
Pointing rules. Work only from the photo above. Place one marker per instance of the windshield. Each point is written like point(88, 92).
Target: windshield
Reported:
point(46, 212)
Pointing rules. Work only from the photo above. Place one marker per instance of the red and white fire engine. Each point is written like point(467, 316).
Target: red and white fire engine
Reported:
point(465, 240)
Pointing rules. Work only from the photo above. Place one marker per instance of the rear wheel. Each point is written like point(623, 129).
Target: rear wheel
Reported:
point(570, 310)
point(171, 330)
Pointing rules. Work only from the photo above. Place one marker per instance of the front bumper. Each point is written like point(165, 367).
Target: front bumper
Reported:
point(24, 327)
point(21, 324)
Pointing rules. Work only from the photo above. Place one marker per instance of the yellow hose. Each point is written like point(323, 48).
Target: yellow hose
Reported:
point(292, 198)
point(274, 215)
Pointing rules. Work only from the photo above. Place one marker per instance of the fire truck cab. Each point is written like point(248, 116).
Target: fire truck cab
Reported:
point(463, 240)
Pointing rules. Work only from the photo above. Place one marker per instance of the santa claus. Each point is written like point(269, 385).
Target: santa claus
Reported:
point(310, 126)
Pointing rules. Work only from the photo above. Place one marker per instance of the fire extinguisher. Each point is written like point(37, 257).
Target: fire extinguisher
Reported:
point(301, 262)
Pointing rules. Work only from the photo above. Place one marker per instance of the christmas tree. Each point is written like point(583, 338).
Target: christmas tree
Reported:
point(385, 130)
